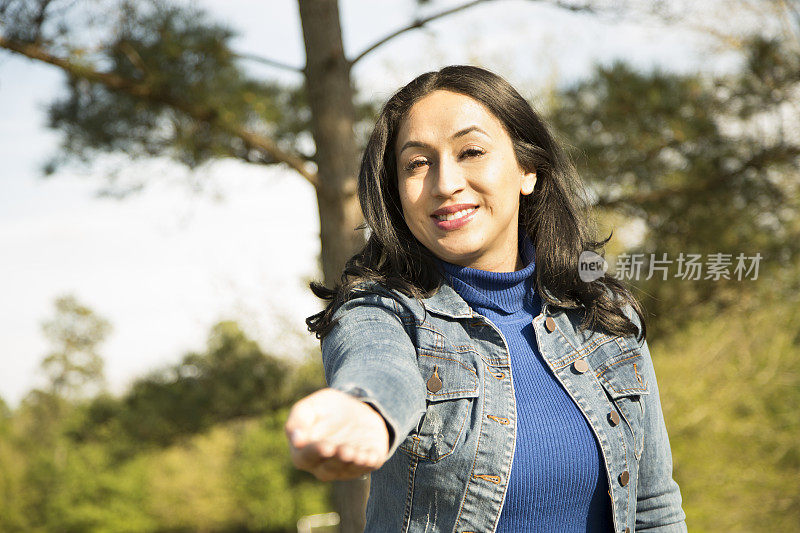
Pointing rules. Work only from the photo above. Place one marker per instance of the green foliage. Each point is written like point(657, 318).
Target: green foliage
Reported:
point(5, 415)
point(221, 462)
point(232, 379)
point(12, 484)
point(235, 477)
point(189, 486)
point(306, 377)
point(93, 493)
point(730, 386)
point(688, 155)
point(275, 494)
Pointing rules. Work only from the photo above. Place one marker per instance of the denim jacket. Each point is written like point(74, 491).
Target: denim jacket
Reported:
point(440, 375)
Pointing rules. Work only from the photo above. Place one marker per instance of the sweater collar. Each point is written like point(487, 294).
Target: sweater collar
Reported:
point(497, 295)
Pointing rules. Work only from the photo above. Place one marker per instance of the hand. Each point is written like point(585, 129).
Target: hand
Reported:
point(336, 436)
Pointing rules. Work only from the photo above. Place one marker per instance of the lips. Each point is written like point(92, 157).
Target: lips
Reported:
point(452, 209)
point(454, 216)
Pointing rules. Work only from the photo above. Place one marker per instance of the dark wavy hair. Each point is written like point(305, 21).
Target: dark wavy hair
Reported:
point(556, 215)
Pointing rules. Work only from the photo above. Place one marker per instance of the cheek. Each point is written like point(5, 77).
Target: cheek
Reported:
point(410, 193)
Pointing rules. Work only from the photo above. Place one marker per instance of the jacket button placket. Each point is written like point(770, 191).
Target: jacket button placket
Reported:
point(581, 366)
point(488, 479)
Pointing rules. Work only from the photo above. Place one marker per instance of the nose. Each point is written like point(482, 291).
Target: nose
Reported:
point(447, 179)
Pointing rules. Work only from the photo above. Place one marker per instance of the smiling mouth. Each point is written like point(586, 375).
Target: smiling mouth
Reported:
point(453, 216)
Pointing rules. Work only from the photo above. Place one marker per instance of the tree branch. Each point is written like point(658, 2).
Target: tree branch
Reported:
point(270, 62)
point(418, 23)
point(758, 161)
point(651, 196)
point(145, 92)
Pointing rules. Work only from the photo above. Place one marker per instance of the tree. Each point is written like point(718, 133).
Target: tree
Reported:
point(74, 367)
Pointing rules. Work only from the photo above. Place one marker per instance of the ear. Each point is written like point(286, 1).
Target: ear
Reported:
point(528, 182)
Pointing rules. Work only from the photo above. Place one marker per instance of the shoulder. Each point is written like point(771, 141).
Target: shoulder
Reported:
point(371, 319)
point(585, 336)
point(372, 300)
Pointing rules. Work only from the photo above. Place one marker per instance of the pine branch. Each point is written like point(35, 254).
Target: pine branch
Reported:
point(146, 92)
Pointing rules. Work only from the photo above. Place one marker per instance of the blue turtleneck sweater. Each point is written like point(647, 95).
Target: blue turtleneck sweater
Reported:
point(558, 482)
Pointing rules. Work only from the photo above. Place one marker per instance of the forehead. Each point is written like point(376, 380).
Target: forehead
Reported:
point(443, 113)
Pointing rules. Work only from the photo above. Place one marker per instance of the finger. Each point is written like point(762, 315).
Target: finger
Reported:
point(354, 460)
point(346, 453)
point(300, 423)
point(309, 456)
point(363, 454)
point(365, 458)
point(333, 469)
point(304, 458)
point(328, 469)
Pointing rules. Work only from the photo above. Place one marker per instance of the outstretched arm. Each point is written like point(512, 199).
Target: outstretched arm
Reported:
point(376, 394)
point(658, 498)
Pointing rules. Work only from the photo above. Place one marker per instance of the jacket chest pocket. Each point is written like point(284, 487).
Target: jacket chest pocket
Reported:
point(452, 389)
point(625, 385)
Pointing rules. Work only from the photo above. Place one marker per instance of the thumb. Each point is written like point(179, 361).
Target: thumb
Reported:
point(299, 425)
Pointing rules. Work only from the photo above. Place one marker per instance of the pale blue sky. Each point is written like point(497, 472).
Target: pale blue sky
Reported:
point(165, 264)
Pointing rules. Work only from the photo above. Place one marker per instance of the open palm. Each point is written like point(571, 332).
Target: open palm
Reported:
point(335, 436)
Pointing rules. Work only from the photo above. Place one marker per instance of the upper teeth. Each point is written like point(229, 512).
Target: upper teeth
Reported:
point(457, 214)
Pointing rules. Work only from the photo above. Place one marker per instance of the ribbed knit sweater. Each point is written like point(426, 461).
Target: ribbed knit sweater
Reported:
point(558, 482)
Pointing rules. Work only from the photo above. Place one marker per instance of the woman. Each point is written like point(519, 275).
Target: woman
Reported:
point(470, 369)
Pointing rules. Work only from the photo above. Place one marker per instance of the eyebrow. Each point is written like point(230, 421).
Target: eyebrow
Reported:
point(459, 133)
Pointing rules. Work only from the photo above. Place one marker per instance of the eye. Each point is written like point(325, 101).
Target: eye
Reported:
point(472, 152)
point(413, 164)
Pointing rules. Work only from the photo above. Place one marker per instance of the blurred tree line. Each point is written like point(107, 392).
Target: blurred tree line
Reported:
point(703, 164)
point(196, 446)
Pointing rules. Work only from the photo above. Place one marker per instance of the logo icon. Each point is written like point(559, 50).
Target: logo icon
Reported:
point(591, 266)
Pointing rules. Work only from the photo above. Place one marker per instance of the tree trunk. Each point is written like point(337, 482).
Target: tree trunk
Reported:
point(330, 95)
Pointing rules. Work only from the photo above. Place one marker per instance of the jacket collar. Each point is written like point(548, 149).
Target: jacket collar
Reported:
point(447, 302)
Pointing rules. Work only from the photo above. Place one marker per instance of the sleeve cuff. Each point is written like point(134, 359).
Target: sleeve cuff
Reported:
point(392, 419)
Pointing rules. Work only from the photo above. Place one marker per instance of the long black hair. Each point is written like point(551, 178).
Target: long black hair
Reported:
point(556, 215)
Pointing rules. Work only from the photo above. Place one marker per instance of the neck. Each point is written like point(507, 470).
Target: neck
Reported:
point(510, 263)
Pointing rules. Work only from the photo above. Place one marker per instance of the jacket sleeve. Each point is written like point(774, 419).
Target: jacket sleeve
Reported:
point(369, 355)
point(658, 497)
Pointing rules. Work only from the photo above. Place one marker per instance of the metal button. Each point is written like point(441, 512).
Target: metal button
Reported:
point(580, 366)
point(435, 382)
point(623, 478)
point(613, 418)
point(550, 324)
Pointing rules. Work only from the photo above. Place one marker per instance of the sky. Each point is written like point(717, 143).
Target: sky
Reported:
point(231, 240)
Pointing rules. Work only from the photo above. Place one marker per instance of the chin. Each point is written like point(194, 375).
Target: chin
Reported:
point(458, 256)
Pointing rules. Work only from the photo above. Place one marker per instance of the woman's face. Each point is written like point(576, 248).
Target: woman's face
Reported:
point(459, 182)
